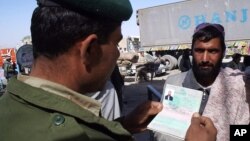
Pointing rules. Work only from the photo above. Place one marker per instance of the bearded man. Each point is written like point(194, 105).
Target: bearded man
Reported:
point(225, 97)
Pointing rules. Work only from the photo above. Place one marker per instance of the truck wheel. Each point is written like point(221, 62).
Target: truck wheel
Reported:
point(171, 62)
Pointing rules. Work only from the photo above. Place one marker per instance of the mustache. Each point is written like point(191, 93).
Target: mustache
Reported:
point(205, 64)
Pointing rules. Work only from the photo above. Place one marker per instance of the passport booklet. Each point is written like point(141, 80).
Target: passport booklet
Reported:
point(179, 104)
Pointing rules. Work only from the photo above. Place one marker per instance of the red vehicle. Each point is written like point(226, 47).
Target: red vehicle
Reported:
point(7, 52)
point(4, 53)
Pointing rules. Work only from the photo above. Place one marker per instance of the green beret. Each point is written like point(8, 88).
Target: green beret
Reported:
point(118, 10)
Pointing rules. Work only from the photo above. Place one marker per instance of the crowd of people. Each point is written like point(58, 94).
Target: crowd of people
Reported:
point(74, 83)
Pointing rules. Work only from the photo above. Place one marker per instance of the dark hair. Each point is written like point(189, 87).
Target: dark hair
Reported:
point(55, 30)
point(207, 33)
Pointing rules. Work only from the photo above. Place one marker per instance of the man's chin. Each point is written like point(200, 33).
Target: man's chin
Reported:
point(205, 68)
point(205, 72)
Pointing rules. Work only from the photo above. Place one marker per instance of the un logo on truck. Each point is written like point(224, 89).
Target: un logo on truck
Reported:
point(184, 22)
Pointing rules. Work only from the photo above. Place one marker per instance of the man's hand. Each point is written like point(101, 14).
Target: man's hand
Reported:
point(201, 129)
point(140, 117)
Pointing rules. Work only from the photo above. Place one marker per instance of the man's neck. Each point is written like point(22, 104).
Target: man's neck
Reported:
point(56, 71)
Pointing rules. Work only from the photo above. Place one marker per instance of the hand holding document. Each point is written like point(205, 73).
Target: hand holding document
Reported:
point(201, 129)
point(179, 104)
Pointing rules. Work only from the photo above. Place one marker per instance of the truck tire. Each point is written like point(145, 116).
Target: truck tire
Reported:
point(171, 62)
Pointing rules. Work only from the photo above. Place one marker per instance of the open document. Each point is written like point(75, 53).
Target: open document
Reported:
point(179, 104)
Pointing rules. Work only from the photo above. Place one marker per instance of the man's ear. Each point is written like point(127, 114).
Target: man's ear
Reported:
point(86, 48)
point(90, 52)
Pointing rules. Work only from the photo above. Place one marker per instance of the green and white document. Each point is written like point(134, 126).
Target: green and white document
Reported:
point(179, 104)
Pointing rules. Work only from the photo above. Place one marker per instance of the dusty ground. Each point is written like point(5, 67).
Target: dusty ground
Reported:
point(136, 93)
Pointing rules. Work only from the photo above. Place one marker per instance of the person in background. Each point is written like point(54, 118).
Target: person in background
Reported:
point(7, 67)
point(75, 52)
point(14, 67)
point(110, 96)
point(246, 71)
point(246, 64)
point(141, 67)
point(118, 82)
point(109, 100)
point(235, 63)
point(223, 101)
point(185, 63)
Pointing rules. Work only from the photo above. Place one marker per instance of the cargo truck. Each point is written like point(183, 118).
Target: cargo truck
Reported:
point(167, 29)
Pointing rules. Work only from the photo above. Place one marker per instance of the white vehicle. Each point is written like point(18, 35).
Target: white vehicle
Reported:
point(167, 29)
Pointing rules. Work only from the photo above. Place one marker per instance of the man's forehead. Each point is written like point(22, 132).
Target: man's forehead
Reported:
point(215, 43)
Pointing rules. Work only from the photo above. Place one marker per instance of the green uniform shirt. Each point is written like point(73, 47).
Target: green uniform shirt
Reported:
point(31, 113)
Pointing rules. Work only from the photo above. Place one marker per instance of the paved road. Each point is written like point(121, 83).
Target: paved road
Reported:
point(136, 93)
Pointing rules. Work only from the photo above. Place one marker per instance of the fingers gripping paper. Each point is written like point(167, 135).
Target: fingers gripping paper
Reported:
point(179, 105)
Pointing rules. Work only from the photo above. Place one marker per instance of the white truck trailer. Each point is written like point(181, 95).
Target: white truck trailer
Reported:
point(167, 29)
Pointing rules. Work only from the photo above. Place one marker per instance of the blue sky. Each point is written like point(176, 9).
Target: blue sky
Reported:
point(15, 16)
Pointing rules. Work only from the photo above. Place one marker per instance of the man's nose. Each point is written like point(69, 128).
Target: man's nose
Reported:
point(205, 57)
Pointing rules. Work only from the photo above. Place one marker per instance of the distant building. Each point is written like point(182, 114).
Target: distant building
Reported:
point(27, 40)
point(129, 44)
